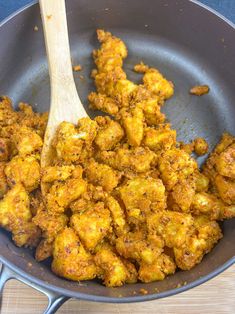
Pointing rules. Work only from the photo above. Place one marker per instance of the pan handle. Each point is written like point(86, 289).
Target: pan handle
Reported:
point(54, 300)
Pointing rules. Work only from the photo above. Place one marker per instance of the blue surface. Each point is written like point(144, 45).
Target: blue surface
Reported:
point(224, 7)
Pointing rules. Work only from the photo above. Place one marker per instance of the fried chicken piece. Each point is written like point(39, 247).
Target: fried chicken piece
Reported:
point(225, 163)
point(25, 170)
point(111, 52)
point(200, 146)
point(141, 195)
point(157, 84)
point(137, 159)
point(173, 227)
point(4, 149)
point(109, 135)
point(50, 224)
point(88, 128)
point(118, 216)
point(7, 115)
point(104, 103)
point(3, 180)
point(181, 196)
point(175, 165)
point(211, 206)
point(141, 67)
point(151, 109)
point(160, 139)
point(113, 269)
point(92, 225)
point(226, 189)
point(133, 120)
point(136, 246)
point(68, 142)
point(201, 181)
point(61, 194)
point(197, 245)
point(162, 266)
point(57, 173)
point(27, 117)
point(15, 216)
point(26, 140)
point(70, 259)
point(103, 175)
point(215, 164)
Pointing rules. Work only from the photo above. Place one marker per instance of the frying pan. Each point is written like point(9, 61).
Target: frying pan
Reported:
point(185, 40)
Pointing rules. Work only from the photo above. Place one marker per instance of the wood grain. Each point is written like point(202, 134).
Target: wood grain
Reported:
point(65, 104)
point(214, 297)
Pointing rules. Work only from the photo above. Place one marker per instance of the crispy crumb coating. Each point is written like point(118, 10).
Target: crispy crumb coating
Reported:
point(125, 200)
point(92, 225)
point(15, 216)
point(70, 259)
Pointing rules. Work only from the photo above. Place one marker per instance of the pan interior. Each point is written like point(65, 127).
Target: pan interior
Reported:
point(160, 39)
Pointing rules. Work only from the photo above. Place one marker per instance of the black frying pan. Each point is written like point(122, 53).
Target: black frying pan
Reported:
point(191, 45)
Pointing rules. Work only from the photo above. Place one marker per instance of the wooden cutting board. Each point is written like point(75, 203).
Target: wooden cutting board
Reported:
point(214, 297)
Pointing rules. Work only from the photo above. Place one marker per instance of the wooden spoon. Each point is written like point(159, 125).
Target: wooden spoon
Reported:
point(65, 104)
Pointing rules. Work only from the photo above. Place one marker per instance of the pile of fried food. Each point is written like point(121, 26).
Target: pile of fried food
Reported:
point(125, 200)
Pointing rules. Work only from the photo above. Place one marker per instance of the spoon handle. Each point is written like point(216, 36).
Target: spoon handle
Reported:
point(65, 104)
point(54, 21)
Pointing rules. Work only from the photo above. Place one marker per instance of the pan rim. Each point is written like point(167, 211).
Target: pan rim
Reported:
point(106, 299)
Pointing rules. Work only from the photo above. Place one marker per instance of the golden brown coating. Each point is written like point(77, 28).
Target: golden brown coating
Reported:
point(113, 271)
point(3, 180)
point(125, 200)
point(138, 159)
point(197, 245)
point(61, 194)
point(175, 165)
point(15, 216)
point(141, 196)
point(26, 140)
point(109, 135)
point(200, 146)
point(136, 246)
point(4, 149)
point(133, 120)
point(173, 227)
point(92, 225)
point(157, 84)
point(118, 216)
point(70, 259)
point(160, 139)
point(103, 175)
point(25, 170)
point(162, 266)
point(57, 173)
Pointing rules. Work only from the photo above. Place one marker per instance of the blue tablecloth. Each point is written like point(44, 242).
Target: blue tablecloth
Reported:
point(225, 7)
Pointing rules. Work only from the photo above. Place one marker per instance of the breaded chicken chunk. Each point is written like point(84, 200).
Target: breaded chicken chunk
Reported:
point(197, 245)
point(175, 165)
point(109, 135)
point(173, 227)
point(92, 225)
point(70, 259)
point(114, 272)
point(141, 195)
point(25, 170)
point(162, 266)
point(103, 175)
point(15, 216)
point(61, 194)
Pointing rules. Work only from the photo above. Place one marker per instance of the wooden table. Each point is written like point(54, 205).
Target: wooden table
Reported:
point(214, 297)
